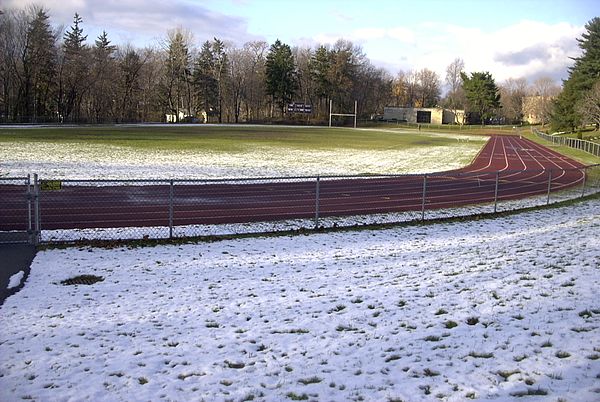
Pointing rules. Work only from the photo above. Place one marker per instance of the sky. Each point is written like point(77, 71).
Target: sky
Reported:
point(510, 39)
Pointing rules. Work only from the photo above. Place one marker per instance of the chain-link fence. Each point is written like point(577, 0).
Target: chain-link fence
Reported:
point(17, 210)
point(35, 210)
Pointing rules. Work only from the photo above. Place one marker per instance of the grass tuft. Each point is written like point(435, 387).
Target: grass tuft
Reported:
point(310, 380)
point(530, 392)
point(450, 324)
point(481, 355)
point(295, 397)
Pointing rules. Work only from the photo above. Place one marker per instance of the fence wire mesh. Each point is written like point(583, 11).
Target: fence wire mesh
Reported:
point(71, 210)
point(16, 210)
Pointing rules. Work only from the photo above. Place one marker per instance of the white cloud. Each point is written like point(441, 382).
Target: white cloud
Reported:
point(142, 21)
point(368, 33)
point(401, 34)
point(526, 49)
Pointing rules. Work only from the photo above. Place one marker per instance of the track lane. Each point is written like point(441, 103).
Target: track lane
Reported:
point(521, 166)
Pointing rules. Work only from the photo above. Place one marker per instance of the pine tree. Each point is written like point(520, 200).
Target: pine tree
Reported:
point(483, 96)
point(39, 68)
point(582, 76)
point(74, 78)
point(177, 85)
point(281, 79)
point(220, 73)
point(205, 84)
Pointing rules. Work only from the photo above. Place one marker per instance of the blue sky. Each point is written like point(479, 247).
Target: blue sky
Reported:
point(527, 38)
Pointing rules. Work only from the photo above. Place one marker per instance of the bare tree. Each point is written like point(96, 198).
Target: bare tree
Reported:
point(375, 88)
point(405, 89)
point(238, 61)
point(129, 67)
point(307, 87)
point(429, 88)
point(544, 90)
point(455, 99)
point(13, 34)
point(512, 93)
point(589, 106)
point(254, 93)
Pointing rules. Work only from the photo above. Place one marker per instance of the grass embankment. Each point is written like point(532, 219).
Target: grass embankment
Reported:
point(578, 155)
point(222, 138)
point(526, 132)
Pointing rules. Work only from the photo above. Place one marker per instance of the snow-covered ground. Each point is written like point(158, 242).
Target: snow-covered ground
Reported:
point(492, 309)
point(15, 280)
point(95, 161)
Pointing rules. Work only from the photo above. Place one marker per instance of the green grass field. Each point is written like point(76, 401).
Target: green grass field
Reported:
point(226, 138)
point(206, 151)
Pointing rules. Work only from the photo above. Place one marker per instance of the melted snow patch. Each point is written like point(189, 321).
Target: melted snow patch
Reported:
point(15, 280)
point(96, 161)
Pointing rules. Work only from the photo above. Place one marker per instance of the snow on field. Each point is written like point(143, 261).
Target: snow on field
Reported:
point(15, 280)
point(492, 310)
point(95, 161)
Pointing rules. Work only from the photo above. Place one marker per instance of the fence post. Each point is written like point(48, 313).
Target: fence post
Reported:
point(317, 197)
point(549, 185)
point(28, 200)
point(171, 209)
point(584, 182)
point(496, 191)
point(36, 210)
point(423, 200)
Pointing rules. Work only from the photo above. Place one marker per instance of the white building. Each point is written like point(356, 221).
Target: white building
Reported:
point(435, 115)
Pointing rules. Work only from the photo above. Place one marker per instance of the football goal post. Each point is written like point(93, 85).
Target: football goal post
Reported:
point(342, 114)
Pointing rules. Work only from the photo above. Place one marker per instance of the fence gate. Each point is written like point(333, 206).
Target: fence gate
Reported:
point(18, 209)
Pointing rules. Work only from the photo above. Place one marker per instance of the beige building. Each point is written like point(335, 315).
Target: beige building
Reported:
point(422, 115)
point(536, 109)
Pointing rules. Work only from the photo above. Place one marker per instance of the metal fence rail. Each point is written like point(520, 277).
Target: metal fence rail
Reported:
point(584, 145)
point(68, 210)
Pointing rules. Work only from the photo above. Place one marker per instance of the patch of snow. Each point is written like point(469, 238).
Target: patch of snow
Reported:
point(95, 161)
point(15, 280)
point(488, 309)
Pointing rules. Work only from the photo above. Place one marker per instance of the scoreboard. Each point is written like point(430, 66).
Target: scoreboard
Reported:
point(297, 107)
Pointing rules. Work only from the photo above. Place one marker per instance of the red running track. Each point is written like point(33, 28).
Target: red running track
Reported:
point(521, 167)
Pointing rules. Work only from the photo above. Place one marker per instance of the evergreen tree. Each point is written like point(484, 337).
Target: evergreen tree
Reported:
point(281, 79)
point(319, 66)
point(220, 73)
point(205, 84)
point(178, 85)
point(210, 75)
point(482, 94)
point(582, 76)
point(74, 77)
point(39, 68)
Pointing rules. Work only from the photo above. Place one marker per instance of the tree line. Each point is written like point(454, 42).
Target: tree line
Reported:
point(50, 74)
